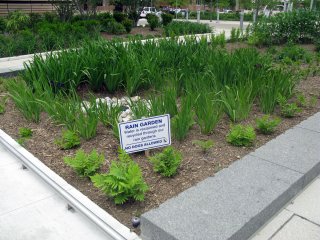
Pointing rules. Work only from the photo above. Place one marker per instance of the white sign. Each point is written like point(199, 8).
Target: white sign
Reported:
point(144, 134)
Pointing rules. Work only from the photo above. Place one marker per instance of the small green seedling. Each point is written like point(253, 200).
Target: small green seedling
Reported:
point(85, 164)
point(241, 135)
point(25, 132)
point(68, 140)
point(266, 124)
point(204, 145)
point(167, 162)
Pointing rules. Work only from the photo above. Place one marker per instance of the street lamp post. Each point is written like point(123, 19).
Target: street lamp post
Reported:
point(211, 11)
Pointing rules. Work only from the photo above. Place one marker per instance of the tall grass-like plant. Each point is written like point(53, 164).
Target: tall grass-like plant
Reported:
point(185, 28)
point(238, 101)
point(24, 100)
point(208, 109)
point(182, 122)
point(108, 114)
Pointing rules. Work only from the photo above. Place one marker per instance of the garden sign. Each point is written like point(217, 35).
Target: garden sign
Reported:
point(143, 134)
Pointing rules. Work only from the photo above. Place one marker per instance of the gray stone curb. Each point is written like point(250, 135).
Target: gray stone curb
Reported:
point(112, 227)
point(240, 199)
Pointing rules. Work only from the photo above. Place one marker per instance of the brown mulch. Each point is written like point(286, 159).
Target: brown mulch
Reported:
point(195, 166)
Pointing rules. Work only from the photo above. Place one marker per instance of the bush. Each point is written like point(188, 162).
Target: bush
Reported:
point(266, 124)
point(300, 26)
point(166, 18)
point(167, 162)
point(153, 21)
point(119, 16)
point(2, 25)
point(240, 135)
point(115, 28)
point(124, 180)
point(69, 139)
point(294, 53)
point(85, 164)
point(185, 28)
point(17, 21)
point(127, 23)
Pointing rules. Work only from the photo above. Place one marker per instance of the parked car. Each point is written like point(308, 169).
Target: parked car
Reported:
point(149, 10)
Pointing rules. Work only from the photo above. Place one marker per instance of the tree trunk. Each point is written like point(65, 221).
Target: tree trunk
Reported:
point(106, 3)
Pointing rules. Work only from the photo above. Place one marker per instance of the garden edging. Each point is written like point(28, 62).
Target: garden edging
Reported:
point(240, 199)
point(73, 197)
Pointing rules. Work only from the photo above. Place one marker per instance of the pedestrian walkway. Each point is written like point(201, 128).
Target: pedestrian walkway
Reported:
point(299, 220)
point(30, 209)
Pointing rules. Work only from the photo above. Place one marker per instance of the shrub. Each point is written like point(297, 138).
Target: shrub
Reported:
point(25, 132)
point(127, 23)
point(167, 162)
point(266, 124)
point(240, 135)
point(2, 25)
point(115, 28)
point(204, 145)
point(298, 26)
point(185, 28)
point(294, 53)
point(166, 18)
point(153, 21)
point(68, 140)
point(124, 180)
point(85, 164)
point(119, 16)
point(17, 21)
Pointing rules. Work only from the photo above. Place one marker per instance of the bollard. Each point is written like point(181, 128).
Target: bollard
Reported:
point(198, 16)
point(187, 15)
point(254, 16)
point(217, 15)
point(241, 21)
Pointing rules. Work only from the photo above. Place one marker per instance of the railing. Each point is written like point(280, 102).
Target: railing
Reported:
point(28, 6)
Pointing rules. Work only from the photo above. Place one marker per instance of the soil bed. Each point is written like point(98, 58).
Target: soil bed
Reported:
point(195, 166)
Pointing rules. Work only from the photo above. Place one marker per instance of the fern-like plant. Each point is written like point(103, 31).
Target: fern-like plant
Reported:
point(204, 145)
point(240, 135)
point(68, 140)
point(167, 162)
point(124, 180)
point(85, 164)
point(266, 124)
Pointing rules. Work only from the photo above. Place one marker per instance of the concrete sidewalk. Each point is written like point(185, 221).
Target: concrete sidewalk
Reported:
point(36, 203)
point(299, 220)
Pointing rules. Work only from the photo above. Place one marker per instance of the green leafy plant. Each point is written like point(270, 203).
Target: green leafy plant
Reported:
point(185, 28)
point(266, 124)
point(123, 182)
point(128, 23)
point(3, 102)
point(288, 110)
point(16, 21)
point(166, 18)
point(167, 162)
point(204, 145)
point(25, 132)
point(85, 164)
point(241, 135)
point(153, 21)
point(68, 140)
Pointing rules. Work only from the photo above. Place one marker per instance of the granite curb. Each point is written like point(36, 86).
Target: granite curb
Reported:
point(240, 199)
